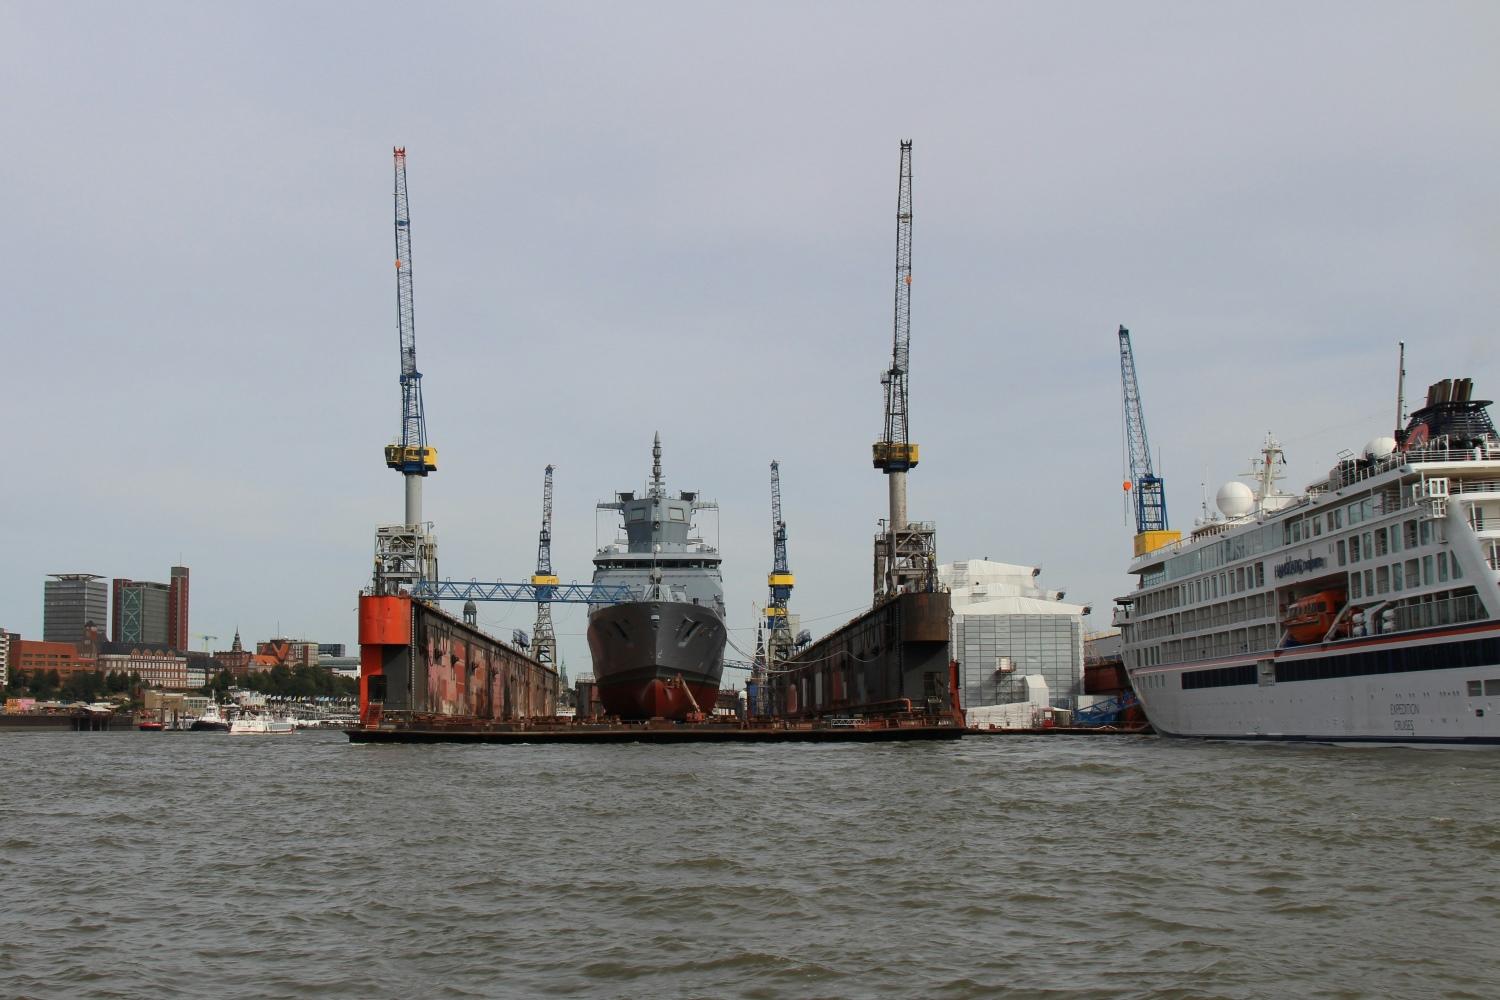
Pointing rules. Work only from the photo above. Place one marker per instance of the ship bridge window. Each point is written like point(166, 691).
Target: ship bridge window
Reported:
point(678, 514)
point(638, 515)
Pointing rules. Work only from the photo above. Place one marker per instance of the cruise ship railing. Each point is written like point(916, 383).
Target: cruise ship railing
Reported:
point(1431, 614)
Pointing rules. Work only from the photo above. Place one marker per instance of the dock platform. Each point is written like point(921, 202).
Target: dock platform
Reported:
point(652, 732)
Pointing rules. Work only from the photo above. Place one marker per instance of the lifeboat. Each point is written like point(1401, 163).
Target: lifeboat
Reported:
point(1309, 618)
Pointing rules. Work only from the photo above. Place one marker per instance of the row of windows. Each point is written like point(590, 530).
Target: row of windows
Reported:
point(1405, 576)
point(1446, 656)
point(1219, 677)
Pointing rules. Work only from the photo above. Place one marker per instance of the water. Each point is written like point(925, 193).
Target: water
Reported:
point(185, 865)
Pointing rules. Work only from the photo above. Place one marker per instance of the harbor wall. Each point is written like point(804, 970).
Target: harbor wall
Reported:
point(418, 660)
point(893, 659)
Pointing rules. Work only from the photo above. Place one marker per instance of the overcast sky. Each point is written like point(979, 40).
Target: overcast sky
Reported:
point(680, 217)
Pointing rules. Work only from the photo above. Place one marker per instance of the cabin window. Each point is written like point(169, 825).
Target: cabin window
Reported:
point(1382, 579)
point(1328, 520)
point(1413, 572)
point(1380, 546)
point(1341, 551)
point(1338, 517)
point(1427, 571)
point(1354, 585)
point(1317, 526)
point(1239, 578)
point(1260, 574)
point(1354, 548)
point(1369, 547)
point(1491, 686)
point(1426, 532)
point(677, 514)
point(1397, 577)
point(1476, 688)
point(1458, 571)
point(1409, 529)
point(638, 514)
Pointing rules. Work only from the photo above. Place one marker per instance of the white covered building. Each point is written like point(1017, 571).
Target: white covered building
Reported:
point(1007, 627)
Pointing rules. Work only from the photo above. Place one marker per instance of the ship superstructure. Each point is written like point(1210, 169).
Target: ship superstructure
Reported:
point(1366, 609)
point(662, 655)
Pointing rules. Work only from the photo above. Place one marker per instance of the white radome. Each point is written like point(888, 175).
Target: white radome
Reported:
point(1235, 499)
point(1380, 447)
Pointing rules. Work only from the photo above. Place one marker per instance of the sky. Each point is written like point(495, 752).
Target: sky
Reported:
point(679, 217)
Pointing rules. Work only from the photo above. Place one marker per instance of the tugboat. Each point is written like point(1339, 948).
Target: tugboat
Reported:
point(659, 656)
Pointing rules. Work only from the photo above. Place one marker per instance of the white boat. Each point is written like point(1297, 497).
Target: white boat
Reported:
point(1365, 610)
point(261, 724)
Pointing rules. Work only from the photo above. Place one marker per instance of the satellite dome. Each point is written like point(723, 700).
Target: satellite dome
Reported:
point(1380, 447)
point(1235, 499)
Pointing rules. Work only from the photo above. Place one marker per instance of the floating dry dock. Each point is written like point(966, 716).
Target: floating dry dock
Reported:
point(827, 731)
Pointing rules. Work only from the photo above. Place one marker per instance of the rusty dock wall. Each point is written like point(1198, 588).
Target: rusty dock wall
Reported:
point(892, 660)
point(417, 662)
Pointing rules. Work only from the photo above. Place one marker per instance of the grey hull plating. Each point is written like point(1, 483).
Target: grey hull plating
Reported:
point(657, 658)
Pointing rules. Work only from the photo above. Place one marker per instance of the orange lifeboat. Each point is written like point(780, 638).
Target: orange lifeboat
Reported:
point(1308, 619)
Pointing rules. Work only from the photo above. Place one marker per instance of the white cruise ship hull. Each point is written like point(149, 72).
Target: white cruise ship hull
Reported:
point(1440, 688)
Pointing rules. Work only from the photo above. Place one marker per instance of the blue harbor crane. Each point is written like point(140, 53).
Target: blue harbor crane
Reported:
point(1150, 491)
point(543, 639)
point(412, 456)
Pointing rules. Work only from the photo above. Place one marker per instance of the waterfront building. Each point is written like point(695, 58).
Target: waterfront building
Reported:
point(153, 613)
point(342, 666)
point(237, 659)
point(288, 652)
point(38, 654)
point(70, 602)
point(160, 666)
point(331, 649)
point(1006, 627)
point(140, 612)
point(178, 636)
point(4, 658)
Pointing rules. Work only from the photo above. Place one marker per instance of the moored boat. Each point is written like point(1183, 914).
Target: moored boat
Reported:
point(210, 721)
point(260, 725)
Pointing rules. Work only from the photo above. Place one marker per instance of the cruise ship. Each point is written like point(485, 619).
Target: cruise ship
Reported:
point(660, 656)
point(1365, 610)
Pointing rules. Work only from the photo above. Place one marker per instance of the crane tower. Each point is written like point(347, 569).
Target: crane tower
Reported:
point(543, 639)
point(905, 553)
point(407, 553)
point(1150, 491)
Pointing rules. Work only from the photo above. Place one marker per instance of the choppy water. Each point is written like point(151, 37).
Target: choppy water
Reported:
point(172, 865)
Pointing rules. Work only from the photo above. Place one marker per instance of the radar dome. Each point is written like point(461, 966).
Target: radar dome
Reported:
point(1380, 447)
point(1235, 499)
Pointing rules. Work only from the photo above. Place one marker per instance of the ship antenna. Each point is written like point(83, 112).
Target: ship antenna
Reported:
point(656, 488)
point(1401, 391)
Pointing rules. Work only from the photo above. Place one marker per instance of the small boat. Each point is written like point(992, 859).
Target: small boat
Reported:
point(150, 725)
point(260, 725)
point(210, 721)
point(1309, 619)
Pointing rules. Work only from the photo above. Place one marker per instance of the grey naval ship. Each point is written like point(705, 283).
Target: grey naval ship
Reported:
point(659, 656)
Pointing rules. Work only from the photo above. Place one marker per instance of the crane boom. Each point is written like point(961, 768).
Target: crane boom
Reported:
point(780, 579)
point(543, 638)
point(1150, 490)
point(412, 456)
point(894, 453)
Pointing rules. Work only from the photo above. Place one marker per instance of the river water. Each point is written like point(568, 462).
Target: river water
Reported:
point(188, 865)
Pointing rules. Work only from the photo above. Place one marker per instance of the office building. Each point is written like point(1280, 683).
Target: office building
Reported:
point(70, 602)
